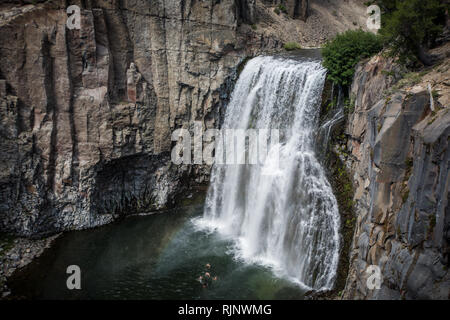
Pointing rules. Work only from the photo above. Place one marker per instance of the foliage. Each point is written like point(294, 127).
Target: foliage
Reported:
point(282, 8)
point(409, 26)
point(291, 46)
point(408, 79)
point(349, 104)
point(341, 54)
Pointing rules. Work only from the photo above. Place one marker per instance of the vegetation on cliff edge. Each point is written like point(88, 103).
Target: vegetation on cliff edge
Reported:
point(289, 46)
point(341, 54)
point(410, 27)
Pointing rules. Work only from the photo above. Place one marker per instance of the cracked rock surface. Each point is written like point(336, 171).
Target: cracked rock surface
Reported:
point(87, 115)
point(399, 158)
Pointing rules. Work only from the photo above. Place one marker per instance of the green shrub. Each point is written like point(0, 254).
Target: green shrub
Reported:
point(408, 79)
point(341, 54)
point(277, 11)
point(435, 94)
point(282, 8)
point(349, 104)
point(409, 27)
point(388, 73)
point(289, 46)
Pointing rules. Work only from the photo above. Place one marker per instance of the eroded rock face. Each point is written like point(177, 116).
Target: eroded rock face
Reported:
point(297, 9)
point(84, 112)
point(87, 115)
point(400, 161)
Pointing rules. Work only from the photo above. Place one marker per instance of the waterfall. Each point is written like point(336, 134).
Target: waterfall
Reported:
point(334, 117)
point(288, 220)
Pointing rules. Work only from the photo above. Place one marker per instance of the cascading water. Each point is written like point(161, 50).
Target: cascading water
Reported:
point(337, 115)
point(288, 220)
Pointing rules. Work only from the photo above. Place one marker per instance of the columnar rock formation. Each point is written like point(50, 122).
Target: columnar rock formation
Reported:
point(86, 118)
point(87, 114)
point(400, 162)
point(295, 8)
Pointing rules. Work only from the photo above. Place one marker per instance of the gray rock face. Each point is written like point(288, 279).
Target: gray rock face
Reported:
point(87, 115)
point(400, 162)
point(246, 11)
point(86, 112)
point(297, 9)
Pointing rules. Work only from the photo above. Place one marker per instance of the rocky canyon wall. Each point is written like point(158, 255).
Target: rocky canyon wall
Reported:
point(297, 9)
point(399, 157)
point(86, 118)
point(87, 115)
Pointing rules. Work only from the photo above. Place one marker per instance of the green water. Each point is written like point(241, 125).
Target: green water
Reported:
point(148, 257)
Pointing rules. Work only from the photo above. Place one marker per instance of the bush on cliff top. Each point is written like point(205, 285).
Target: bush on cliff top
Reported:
point(410, 27)
point(289, 46)
point(341, 54)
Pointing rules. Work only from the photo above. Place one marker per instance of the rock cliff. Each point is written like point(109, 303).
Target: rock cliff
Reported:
point(87, 114)
point(399, 158)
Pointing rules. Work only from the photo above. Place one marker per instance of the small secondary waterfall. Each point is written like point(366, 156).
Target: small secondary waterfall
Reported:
point(288, 220)
point(337, 115)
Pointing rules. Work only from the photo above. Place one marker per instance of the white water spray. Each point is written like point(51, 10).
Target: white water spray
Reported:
point(290, 219)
